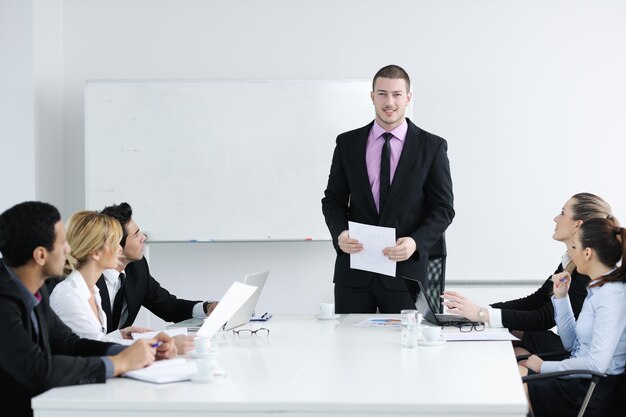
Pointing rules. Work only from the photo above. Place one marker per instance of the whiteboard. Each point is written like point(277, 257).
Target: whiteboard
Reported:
point(218, 160)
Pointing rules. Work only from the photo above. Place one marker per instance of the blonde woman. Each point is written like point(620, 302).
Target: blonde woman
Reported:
point(94, 240)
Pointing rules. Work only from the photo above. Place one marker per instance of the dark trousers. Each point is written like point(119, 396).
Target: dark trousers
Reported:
point(375, 297)
point(542, 342)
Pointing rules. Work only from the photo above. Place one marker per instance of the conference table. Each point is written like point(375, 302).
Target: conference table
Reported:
point(310, 367)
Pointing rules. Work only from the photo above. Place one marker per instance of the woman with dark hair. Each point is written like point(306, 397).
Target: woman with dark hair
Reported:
point(597, 339)
point(533, 316)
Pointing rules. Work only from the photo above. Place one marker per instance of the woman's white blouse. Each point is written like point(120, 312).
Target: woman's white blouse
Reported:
point(70, 300)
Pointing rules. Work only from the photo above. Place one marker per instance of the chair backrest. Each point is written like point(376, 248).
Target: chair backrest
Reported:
point(436, 282)
point(50, 283)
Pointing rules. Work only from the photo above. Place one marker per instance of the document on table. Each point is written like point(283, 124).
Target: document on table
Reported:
point(477, 336)
point(162, 372)
point(374, 239)
point(379, 322)
point(230, 303)
point(152, 334)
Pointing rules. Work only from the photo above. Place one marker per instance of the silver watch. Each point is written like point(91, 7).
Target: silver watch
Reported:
point(482, 314)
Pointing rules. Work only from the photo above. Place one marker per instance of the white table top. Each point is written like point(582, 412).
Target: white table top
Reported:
point(312, 367)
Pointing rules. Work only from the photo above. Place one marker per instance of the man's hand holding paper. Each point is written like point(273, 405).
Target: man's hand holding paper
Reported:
point(405, 247)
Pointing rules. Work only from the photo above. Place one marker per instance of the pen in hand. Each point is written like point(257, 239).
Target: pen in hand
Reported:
point(157, 344)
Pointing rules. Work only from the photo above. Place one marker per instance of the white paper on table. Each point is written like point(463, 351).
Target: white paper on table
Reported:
point(477, 336)
point(374, 239)
point(235, 297)
point(176, 331)
point(162, 372)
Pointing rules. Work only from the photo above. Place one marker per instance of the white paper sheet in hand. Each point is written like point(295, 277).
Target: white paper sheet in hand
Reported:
point(234, 298)
point(374, 239)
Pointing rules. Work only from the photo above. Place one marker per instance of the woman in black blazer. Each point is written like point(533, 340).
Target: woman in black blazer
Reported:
point(533, 315)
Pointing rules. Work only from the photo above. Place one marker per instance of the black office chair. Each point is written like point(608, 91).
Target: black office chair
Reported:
point(594, 381)
point(437, 274)
point(436, 282)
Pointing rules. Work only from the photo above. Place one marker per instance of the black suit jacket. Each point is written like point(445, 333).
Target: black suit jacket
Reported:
point(419, 203)
point(536, 311)
point(31, 364)
point(143, 290)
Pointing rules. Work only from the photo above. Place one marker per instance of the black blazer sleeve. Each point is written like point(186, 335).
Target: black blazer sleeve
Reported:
point(536, 311)
point(439, 199)
point(148, 292)
point(335, 205)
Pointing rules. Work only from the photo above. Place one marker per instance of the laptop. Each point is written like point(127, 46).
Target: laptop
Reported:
point(424, 306)
point(242, 316)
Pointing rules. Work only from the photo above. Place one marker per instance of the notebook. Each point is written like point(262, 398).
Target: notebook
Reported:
point(243, 315)
point(423, 306)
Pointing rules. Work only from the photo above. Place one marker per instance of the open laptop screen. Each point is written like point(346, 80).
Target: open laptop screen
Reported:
point(423, 305)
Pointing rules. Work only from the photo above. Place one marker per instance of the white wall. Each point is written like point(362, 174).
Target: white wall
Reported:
point(17, 139)
point(558, 43)
point(48, 92)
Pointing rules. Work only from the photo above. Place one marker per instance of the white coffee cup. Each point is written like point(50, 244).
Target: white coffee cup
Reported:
point(327, 309)
point(202, 345)
point(206, 367)
point(432, 333)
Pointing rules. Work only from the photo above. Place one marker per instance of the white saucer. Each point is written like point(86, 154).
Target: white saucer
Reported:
point(197, 355)
point(435, 343)
point(202, 379)
point(333, 317)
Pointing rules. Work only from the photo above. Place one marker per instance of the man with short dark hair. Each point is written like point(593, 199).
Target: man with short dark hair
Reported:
point(388, 173)
point(37, 350)
point(136, 285)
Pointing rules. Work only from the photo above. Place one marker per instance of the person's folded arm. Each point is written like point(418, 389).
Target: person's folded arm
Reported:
point(565, 321)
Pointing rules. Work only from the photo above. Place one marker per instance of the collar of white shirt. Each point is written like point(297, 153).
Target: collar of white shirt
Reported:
point(77, 280)
point(565, 260)
point(112, 277)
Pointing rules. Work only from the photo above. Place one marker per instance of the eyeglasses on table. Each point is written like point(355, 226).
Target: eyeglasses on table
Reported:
point(246, 333)
point(468, 327)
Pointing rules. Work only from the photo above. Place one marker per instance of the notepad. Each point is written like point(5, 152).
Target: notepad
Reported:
point(162, 372)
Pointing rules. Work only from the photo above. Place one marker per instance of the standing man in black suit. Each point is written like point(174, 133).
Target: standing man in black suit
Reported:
point(37, 350)
point(414, 197)
point(125, 290)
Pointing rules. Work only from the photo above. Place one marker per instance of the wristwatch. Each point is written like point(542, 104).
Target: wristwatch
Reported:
point(482, 314)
